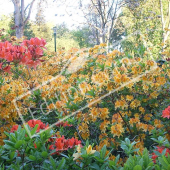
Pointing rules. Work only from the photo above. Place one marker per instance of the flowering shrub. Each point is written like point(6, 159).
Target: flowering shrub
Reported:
point(13, 57)
point(122, 96)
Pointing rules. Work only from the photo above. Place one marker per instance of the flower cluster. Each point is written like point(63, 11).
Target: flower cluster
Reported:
point(40, 124)
point(32, 124)
point(28, 52)
point(61, 144)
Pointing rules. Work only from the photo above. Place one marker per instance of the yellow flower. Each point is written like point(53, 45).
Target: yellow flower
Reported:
point(104, 113)
point(78, 154)
point(154, 94)
point(129, 97)
point(89, 150)
point(147, 117)
point(117, 130)
point(141, 109)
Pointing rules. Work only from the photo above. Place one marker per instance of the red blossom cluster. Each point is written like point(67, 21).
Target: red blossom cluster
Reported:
point(40, 124)
point(64, 124)
point(28, 52)
point(160, 150)
point(166, 113)
point(32, 124)
point(62, 144)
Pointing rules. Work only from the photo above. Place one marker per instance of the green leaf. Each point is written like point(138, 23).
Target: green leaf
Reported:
point(6, 133)
point(103, 151)
point(31, 157)
point(137, 167)
point(34, 129)
point(9, 143)
point(61, 165)
point(168, 167)
point(12, 154)
point(52, 161)
point(18, 144)
point(95, 166)
point(44, 154)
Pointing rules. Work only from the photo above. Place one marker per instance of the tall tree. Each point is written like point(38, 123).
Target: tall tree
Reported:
point(40, 17)
point(84, 36)
point(150, 20)
point(165, 21)
point(105, 14)
point(20, 16)
point(28, 32)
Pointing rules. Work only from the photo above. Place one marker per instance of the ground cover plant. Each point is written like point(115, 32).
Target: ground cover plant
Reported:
point(83, 109)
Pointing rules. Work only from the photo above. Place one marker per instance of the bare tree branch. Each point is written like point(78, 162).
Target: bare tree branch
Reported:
point(26, 7)
point(29, 13)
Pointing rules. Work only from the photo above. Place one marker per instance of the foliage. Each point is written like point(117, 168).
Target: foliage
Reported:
point(84, 37)
point(124, 100)
point(142, 20)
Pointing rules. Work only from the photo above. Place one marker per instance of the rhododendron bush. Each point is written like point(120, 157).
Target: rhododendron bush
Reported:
point(88, 101)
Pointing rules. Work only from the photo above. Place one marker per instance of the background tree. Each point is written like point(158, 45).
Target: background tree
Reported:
point(20, 16)
point(142, 20)
point(27, 32)
point(165, 20)
point(84, 36)
point(103, 17)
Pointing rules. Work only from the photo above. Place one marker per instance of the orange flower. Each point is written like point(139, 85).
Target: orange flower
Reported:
point(166, 113)
point(117, 130)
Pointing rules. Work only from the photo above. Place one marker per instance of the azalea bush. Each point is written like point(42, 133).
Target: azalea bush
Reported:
point(83, 109)
point(109, 116)
point(14, 58)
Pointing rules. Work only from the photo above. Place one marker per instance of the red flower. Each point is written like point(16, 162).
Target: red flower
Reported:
point(40, 124)
point(35, 146)
point(7, 69)
point(1, 65)
point(14, 128)
point(18, 154)
point(59, 145)
point(166, 112)
point(154, 156)
point(71, 142)
point(62, 144)
point(9, 57)
point(29, 53)
point(51, 147)
point(160, 150)
point(77, 141)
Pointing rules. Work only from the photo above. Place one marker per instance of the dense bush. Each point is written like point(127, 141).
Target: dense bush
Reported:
point(115, 104)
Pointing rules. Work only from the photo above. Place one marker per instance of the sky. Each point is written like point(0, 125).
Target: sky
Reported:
point(67, 11)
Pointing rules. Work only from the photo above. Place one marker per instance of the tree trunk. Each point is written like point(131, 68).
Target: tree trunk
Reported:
point(19, 16)
point(19, 32)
